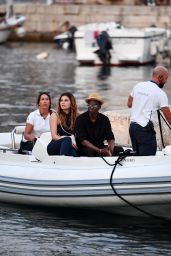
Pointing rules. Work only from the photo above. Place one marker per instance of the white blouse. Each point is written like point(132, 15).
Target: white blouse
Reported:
point(40, 124)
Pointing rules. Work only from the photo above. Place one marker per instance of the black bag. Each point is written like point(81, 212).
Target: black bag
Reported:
point(25, 146)
point(117, 150)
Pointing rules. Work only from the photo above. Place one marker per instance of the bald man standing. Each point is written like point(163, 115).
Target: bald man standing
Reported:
point(145, 99)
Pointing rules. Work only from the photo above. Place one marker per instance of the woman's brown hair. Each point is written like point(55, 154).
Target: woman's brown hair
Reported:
point(73, 111)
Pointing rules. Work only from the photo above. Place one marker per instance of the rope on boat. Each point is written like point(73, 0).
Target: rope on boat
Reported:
point(160, 127)
point(118, 161)
point(160, 115)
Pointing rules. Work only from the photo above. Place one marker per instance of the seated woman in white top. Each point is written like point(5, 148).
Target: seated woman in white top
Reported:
point(38, 121)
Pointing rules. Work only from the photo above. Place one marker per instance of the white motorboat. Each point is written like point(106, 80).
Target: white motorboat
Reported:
point(63, 39)
point(127, 185)
point(129, 45)
point(10, 22)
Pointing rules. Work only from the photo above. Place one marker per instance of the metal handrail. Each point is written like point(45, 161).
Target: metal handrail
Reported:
point(16, 130)
point(13, 138)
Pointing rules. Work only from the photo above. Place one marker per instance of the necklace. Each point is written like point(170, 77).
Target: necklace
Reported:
point(44, 115)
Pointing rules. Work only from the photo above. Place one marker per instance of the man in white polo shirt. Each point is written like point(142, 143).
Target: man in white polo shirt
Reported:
point(145, 99)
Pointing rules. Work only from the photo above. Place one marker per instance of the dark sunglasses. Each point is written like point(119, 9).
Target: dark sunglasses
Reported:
point(40, 93)
point(93, 106)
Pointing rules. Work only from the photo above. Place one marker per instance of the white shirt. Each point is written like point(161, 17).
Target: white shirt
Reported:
point(40, 124)
point(147, 99)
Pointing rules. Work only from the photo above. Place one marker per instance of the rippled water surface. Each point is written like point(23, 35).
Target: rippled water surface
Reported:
point(28, 231)
point(22, 76)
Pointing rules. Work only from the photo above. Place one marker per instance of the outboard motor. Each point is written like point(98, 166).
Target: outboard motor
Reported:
point(66, 36)
point(105, 44)
point(72, 31)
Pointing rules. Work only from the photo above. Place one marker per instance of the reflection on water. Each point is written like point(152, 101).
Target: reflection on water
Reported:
point(104, 72)
point(59, 232)
point(23, 75)
point(28, 231)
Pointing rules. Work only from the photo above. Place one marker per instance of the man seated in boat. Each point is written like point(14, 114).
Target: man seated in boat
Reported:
point(93, 128)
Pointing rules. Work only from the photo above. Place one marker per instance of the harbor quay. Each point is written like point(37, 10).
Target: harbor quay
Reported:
point(120, 121)
point(43, 21)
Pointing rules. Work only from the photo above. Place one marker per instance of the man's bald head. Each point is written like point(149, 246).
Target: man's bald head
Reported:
point(160, 75)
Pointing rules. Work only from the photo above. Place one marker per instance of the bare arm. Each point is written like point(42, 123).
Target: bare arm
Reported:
point(28, 132)
point(101, 151)
point(167, 113)
point(111, 144)
point(53, 126)
point(88, 144)
point(130, 100)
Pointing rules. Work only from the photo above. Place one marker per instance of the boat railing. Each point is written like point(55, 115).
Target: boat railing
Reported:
point(17, 130)
point(8, 150)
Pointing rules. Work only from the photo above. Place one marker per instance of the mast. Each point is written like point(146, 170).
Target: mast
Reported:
point(9, 9)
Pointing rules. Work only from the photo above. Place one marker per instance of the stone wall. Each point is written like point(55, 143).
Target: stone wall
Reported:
point(43, 21)
point(120, 120)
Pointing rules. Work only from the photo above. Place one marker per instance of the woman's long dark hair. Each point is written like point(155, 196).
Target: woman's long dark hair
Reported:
point(73, 111)
point(48, 95)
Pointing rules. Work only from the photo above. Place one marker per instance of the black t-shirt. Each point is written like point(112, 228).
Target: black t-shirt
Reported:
point(95, 132)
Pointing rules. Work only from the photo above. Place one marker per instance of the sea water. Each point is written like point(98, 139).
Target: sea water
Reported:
point(27, 231)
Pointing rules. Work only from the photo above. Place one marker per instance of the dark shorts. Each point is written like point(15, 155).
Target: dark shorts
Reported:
point(143, 139)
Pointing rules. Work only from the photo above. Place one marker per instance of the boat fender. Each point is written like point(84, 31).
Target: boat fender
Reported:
point(167, 150)
point(21, 32)
point(161, 45)
point(153, 48)
point(65, 45)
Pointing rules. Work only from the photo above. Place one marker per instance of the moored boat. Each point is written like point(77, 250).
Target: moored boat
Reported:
point(130, 46)
point(127, 185)
point(10, 22)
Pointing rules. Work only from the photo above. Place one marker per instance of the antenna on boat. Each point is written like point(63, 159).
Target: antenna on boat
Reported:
point(9, 9)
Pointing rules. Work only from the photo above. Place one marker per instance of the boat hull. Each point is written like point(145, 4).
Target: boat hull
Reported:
point(4, 35)
point(141, 184)
point(103, 204)
point(130, 46)
point(10, 25)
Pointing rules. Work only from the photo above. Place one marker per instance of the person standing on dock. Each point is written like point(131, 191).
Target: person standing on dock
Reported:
point(145, 99)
